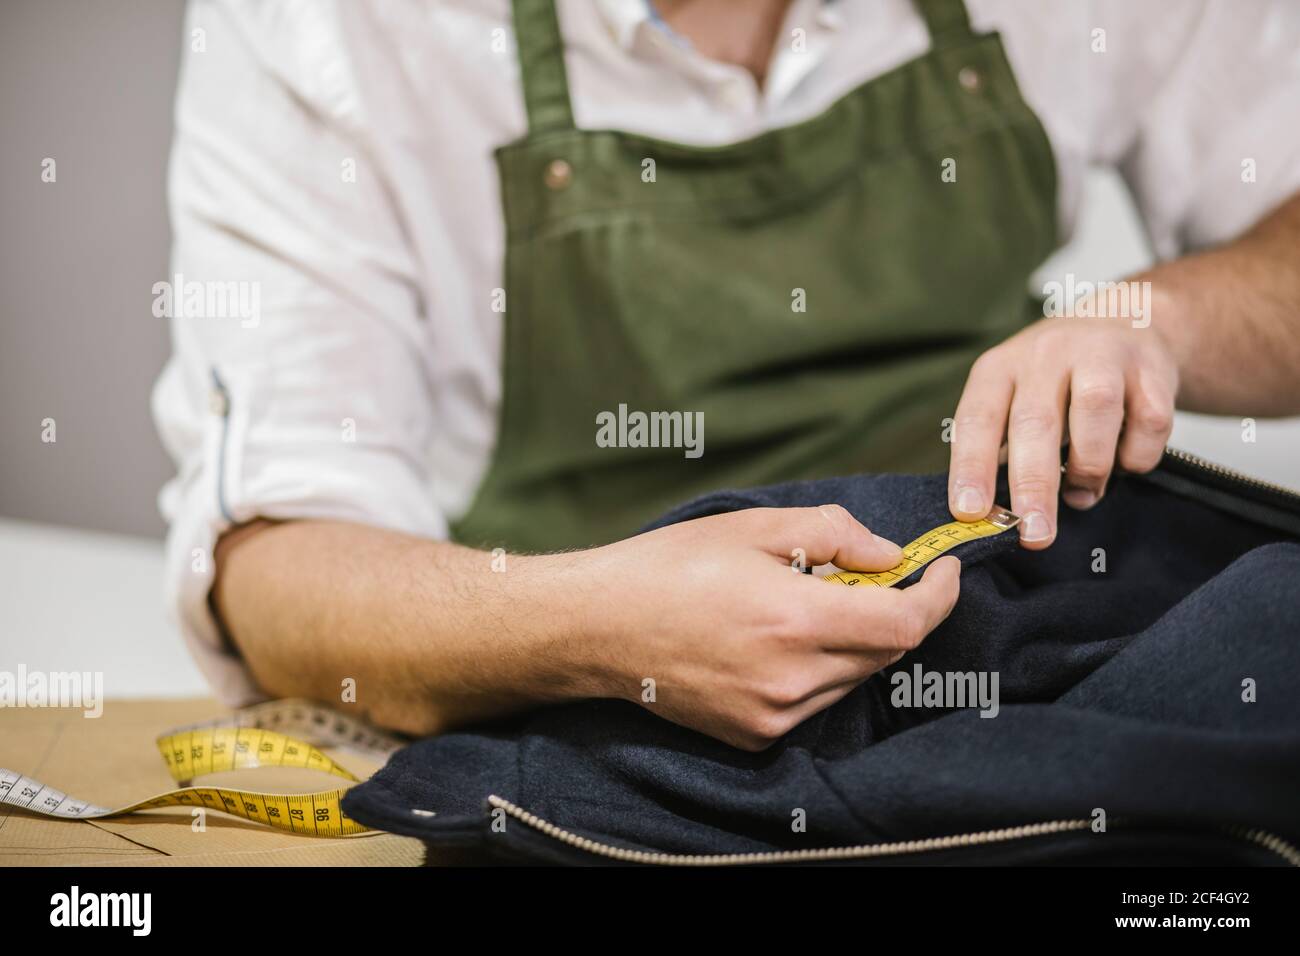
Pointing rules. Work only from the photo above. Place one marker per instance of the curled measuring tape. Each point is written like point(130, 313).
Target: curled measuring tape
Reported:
point(917, 554)
point(286, 733)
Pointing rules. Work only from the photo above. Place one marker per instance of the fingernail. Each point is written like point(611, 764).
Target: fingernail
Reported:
point(970, 501)
point(1080, 498)
point(1034, 527)
point(887, 548)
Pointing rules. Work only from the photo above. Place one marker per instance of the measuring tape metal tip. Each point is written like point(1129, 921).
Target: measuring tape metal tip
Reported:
point(1002, 518)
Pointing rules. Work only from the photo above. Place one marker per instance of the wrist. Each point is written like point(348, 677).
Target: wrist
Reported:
point(561, 599)
point(1167, 311)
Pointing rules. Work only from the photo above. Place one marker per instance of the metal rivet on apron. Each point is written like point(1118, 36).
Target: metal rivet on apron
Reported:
point(970, 78)
point(558, 174)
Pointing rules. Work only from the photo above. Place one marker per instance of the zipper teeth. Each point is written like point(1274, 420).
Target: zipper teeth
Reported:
point(1198, 462)
point(1269, 841)
point(1262, 838)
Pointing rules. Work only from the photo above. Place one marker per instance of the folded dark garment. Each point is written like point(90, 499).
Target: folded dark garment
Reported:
point(1163, 691)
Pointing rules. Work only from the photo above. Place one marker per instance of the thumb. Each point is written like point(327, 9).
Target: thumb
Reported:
point(827, 533)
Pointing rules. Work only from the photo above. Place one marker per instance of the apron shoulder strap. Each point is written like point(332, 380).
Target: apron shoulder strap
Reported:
point(541, 65)
point(945, 19)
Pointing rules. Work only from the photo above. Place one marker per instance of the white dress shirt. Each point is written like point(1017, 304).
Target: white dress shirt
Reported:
point(335, 157)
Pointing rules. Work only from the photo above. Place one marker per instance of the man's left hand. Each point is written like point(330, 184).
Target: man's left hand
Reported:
point(1103, 384)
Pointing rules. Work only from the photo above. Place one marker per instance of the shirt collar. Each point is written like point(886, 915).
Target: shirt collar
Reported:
point(625, 18)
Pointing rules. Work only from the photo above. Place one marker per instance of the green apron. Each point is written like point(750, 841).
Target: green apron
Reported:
point(683, 294)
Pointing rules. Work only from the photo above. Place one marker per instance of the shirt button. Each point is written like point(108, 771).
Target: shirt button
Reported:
point(558, 174)
point(970, 79)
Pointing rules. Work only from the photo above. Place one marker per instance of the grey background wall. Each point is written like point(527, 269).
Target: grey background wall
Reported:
point(89, 84)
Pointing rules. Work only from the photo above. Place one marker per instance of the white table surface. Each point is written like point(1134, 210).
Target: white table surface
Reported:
point(75, 600)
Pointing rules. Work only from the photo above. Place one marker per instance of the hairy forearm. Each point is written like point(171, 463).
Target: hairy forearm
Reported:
point(701, 622)
point(431, 634)
point(1231, 317)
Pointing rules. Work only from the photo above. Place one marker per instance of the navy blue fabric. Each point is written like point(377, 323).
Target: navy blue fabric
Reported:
point(1119, 690)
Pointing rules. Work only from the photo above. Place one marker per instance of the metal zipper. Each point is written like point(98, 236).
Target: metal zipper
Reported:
point(1221, 471)
point(1262, 838)
point(1269, 841)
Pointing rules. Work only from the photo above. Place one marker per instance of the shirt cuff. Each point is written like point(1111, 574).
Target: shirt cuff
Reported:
point(235, 481)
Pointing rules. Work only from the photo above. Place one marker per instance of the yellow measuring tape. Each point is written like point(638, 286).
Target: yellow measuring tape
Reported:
point(285, 733)
point(290, 733)
point(919, 553)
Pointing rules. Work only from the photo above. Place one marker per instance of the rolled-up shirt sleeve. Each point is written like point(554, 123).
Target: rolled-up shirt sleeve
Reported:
point(1217, 145)
point(297, 387)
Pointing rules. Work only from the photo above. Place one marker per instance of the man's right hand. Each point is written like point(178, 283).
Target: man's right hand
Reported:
point(432, 635)
point(737, 643)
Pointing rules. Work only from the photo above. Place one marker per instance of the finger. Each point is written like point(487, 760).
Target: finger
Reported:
point(1148, 419)
point(1096, 415)
point(978, 426)
point(1034, 456)
point(820, 701)
point(827, 533)
point(930, 600)
point(779, 720)
point(836, 668)
point(889, 620)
